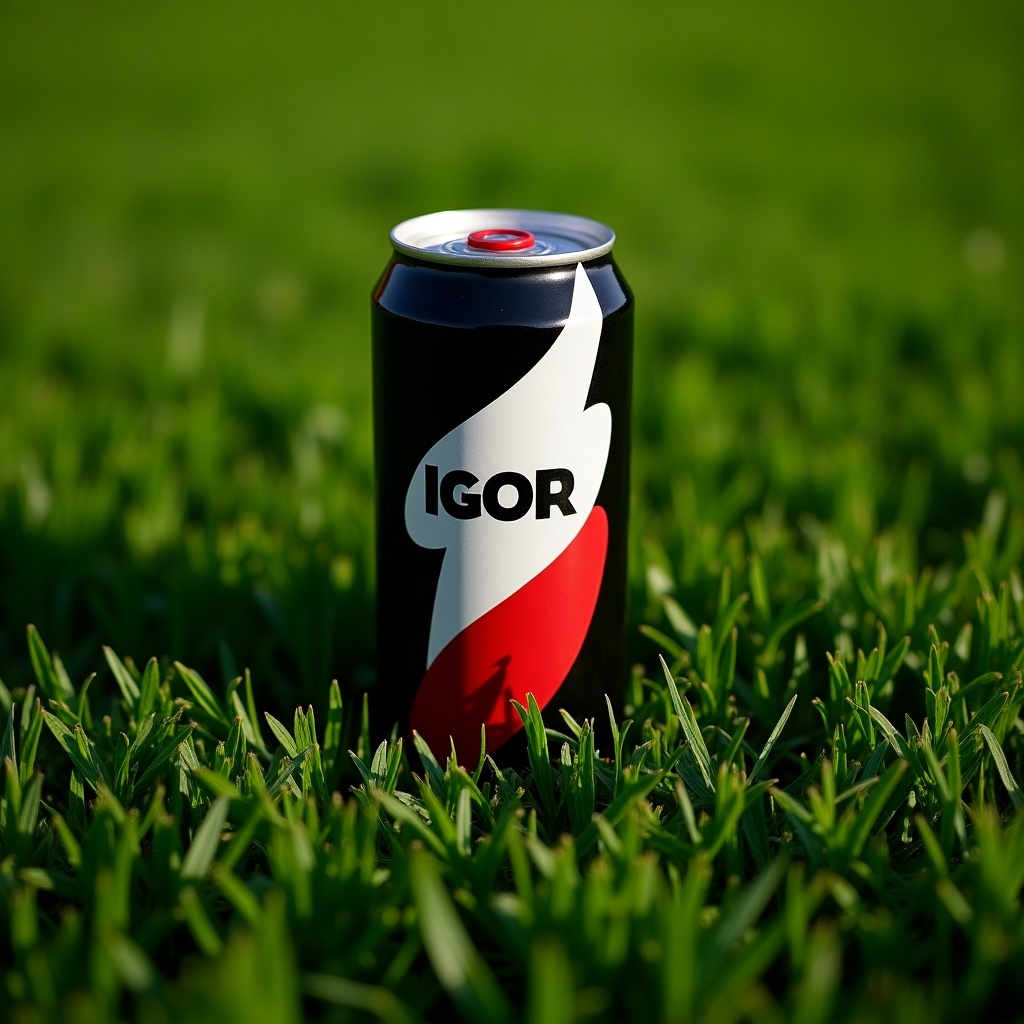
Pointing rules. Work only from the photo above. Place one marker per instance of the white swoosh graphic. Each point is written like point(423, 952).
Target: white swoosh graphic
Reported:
point(539, 423)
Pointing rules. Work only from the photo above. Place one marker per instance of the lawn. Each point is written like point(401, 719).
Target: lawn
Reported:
point(814, 814)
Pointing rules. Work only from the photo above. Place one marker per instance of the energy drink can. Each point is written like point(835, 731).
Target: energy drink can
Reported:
point(502, 367)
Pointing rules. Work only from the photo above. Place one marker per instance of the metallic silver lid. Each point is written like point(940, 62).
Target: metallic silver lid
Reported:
point(558, 238)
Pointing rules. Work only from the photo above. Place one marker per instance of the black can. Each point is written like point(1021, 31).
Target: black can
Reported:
point(502, 368)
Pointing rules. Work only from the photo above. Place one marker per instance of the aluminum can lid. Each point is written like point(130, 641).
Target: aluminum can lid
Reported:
point(502, 238)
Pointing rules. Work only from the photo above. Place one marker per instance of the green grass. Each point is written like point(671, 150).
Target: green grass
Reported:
point(734, 856)
point(814, 814)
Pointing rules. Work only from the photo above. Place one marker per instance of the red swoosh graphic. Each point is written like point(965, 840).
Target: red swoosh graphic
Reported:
point(527, 644)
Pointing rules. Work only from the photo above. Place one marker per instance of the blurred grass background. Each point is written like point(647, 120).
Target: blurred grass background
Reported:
point(820, 210)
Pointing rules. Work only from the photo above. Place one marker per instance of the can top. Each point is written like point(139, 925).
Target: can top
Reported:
point(502, 238)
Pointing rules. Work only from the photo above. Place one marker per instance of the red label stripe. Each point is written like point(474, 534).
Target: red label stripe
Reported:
point(527, 644)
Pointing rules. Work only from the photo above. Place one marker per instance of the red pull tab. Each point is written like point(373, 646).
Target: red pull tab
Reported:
point(501, 239)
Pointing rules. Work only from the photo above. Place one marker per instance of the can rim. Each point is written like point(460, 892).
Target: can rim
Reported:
point(562, 238)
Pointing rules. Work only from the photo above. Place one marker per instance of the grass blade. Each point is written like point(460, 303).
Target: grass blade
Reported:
point(459, 967)
point(1003, 767)
point(203, 849)
point(775, 734)
point(127, 685)
point(690, 728)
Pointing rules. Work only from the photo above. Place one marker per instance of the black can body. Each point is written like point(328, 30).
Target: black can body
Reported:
point(471, 390)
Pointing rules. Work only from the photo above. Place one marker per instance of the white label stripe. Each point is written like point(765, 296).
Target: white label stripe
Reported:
point(540, 423)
